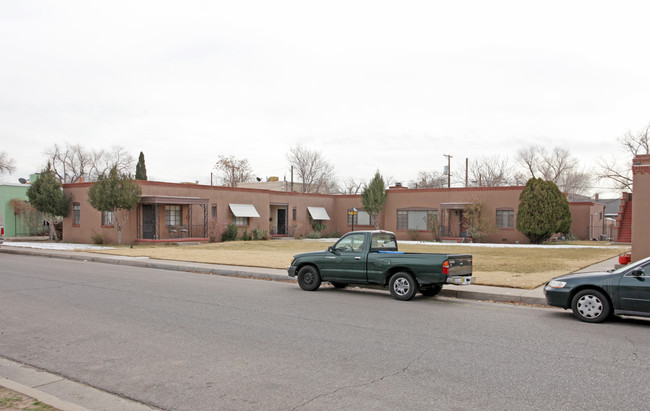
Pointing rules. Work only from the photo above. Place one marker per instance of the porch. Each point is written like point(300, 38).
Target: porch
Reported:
point(453, 224)
point(170, 219)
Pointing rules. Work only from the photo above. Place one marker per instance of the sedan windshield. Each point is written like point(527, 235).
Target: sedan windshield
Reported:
point(632, 266)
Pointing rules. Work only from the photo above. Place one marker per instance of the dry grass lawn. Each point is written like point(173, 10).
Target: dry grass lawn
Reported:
point(515, 267)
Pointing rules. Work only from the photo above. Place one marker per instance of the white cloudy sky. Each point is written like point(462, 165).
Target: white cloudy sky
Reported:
point(371, 84)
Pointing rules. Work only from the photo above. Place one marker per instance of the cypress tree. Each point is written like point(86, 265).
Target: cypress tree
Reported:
point(373, 198)
point(140, 168)
point(543, 211)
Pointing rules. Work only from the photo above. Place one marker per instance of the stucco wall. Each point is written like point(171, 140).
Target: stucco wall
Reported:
point(640, 215)
point(587, 220)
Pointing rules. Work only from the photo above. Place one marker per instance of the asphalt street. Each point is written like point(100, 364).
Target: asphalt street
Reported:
point(180, 341)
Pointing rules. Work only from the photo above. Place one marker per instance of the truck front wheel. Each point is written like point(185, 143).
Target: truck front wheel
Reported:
point(402, 286)
point(309, 278)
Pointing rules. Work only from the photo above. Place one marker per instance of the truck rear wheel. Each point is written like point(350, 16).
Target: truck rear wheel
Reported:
point(431, 291)
point(309, 278)
point(402, 286)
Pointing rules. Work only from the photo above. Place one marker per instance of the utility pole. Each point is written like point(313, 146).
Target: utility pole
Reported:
point(448, 169)
point(466, 171)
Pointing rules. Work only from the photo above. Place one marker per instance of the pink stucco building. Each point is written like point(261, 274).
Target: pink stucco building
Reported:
point(190, 212)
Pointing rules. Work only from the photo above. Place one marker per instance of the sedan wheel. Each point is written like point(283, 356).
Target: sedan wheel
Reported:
point(591, 306)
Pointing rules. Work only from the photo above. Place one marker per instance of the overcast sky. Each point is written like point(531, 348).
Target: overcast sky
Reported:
point(371, 84)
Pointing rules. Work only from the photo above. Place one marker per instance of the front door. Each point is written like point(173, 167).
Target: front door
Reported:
point(282, 221)
point(346, 263)
point(634, 290)
point(148, 222)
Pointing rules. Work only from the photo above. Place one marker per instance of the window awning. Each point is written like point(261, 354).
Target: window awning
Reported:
point(318, 213)
point(244, 210)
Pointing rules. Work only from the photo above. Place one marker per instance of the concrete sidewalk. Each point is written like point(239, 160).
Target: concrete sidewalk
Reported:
point(70, 395)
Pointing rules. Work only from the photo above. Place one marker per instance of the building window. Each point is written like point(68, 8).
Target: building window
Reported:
point(240, 221)
point(214, 211)
point(414, 219)
point(293, 213)
point(506, 218)
point(76, 214)
point(362, 218)
point(173, 215)
point(107, 218)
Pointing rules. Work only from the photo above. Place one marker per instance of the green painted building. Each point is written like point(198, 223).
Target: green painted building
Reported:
point(20, 219)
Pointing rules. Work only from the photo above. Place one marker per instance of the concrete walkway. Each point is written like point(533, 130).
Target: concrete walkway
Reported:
point(69, 395)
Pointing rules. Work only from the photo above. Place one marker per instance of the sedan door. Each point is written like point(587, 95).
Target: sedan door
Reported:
point(634, 290)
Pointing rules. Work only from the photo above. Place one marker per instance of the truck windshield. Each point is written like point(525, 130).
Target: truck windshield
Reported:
point(383, 242)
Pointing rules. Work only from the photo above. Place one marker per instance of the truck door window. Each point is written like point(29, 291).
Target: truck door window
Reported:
point(351, 244)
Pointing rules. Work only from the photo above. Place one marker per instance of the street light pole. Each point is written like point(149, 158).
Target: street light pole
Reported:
point(353, 213)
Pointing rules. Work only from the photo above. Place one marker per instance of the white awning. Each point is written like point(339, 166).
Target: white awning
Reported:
point(244, 210)
point(318, 213)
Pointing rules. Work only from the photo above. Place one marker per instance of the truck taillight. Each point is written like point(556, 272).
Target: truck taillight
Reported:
point(445, 267)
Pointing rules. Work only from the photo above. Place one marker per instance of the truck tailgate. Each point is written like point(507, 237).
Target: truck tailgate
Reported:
point(460, 264)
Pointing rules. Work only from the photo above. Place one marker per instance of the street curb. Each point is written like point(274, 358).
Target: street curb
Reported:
point(41, 396)
point(454, 292)
point(482, 296)
point(50, 388)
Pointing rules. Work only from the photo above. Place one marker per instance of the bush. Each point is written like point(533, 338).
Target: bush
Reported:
point(318, 226)
point(230, 234)
point(314, 235)
point(246, 236)
point(98, 237)
point(413, 234)
point(260, 234)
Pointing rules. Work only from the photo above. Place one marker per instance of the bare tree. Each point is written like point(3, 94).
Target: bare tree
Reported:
point(556, 165)
point(7, 164)
point(620, 171)
point(316, 173)
point(72, 162)
point(351, 186)
point(234, 171)
point(575, 183)
point(430, 179)
point(492, 171)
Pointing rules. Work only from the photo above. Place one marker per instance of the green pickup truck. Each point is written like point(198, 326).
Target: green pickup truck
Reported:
point(372, 258)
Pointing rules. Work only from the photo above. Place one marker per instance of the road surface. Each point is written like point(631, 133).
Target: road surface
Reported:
point(182, 341)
